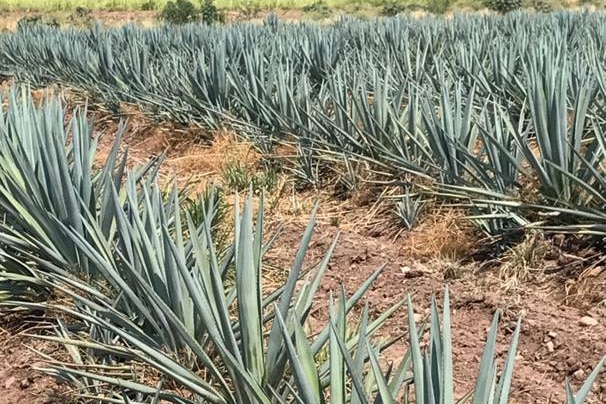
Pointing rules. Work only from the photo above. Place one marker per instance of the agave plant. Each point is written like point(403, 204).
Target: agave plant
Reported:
point(563, 177)
point(455, 101)
point(192, 323)
point(156, 291)
point(433, 371)
point(48, 184)
point(585, 389)
point(408, 208)
point(478, 106)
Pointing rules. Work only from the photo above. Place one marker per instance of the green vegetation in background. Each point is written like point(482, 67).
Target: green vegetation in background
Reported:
point(184, 11)
point(504, 6)
point(51, 5)
point(79, 18)
point(70, 5)
point(319, 7)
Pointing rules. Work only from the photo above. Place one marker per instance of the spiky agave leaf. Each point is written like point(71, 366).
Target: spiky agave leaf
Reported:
point(174, 294)
point(585, 389)
point(433, 369)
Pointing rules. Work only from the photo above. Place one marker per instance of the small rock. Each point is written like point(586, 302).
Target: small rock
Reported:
point(25, 383)
point(359, 258)
point(510, 328)
point(409, 272)
point(579, 374)
point(587, 321)
point(574, 368)
point(552, 334)
point(418, 317)
point(550, 347)
point(9, 382)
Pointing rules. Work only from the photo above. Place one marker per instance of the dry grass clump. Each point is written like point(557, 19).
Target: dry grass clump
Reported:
point(524, 262)
point(204, 164)
point(443, 232)
point(192, 156)
point(590, 285)
point(284, 150)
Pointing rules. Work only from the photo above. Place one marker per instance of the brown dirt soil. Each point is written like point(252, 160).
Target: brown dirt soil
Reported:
point(475, 296)
point(9, 19)
point(554, 345)
point(19, 382)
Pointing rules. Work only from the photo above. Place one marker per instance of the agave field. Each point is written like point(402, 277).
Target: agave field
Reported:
point(502, 117)
point(478, 108)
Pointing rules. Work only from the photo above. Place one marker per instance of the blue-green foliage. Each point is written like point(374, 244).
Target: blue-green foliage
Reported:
point(465, 102)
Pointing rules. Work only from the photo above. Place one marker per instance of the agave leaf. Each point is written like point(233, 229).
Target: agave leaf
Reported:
point(356, 378)
point(507, 374)
point(337, 364)
point(384, 395)
point(585, 389)
point(418, 364)
point(303, 364)
point(248, 286)
point(323, 336)
point(275, 346)
point(435, 358)
point(484, 383)
point(360, 355)
point(447, 387)
point(126, 384)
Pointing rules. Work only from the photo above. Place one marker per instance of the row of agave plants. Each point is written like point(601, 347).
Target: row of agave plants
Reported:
point(502, 115)
point(151, 310)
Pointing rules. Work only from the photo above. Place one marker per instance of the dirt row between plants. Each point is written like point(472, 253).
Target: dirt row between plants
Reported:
point(556, 341)
point(564, 315)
